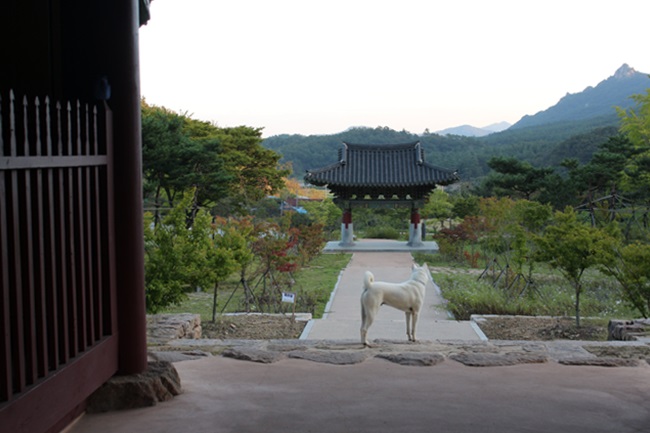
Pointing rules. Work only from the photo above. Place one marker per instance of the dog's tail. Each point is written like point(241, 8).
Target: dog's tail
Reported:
point(368, 280)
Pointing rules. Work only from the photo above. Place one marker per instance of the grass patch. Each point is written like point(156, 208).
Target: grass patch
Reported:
point(551, 296)
point(317, 280)
point(313, 285)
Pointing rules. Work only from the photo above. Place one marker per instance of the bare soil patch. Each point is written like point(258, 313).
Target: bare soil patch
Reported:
point(542, 328)
point(253, 327)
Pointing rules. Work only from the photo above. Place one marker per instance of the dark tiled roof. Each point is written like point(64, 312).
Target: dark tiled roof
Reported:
point(381, 166)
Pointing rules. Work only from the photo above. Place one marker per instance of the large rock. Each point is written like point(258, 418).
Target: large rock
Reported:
point(159, 383)
point(162, 328)
point(628, 330)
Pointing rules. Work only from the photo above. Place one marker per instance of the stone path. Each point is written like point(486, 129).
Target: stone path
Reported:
point(470, 353)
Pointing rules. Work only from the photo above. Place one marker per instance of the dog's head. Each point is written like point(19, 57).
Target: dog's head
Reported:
point(420, 273)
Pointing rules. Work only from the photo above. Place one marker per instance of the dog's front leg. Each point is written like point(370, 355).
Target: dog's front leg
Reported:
point(414, 318)
point(409, 315)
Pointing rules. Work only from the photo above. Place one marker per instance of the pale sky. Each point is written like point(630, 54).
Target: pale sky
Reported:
point(320, 67)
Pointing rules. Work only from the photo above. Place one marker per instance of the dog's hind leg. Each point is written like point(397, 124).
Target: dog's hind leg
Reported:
point(364, 328)
point(367, 317)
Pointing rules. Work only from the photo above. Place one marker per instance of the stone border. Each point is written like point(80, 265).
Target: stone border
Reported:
point(425, 353)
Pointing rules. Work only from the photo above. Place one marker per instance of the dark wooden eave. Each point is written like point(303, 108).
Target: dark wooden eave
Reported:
point(375, 169)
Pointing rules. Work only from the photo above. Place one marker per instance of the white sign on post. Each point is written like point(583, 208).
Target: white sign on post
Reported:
point(288, 297)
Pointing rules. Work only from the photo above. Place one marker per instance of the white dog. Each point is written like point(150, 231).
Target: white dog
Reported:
point(407, 296)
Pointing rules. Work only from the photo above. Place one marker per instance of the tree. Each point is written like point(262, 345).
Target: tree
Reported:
point(438, 206)
point(572, 247)
point(177, 257)
point(230, 251)
point(465, 205)
point(630, 265)
point(602, 175)
point(452, 241)
point(178, 155)
point(325, 213)
point(530, 219)
point(254, 169)
point(516, 178)
point(635, 124)
point(165, 150)
point(498, 221)
point(227, 167)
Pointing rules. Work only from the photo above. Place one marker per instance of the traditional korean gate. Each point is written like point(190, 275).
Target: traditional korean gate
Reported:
point(57, 313)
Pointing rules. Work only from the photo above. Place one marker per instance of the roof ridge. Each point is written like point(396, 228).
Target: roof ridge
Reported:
point(410, 144)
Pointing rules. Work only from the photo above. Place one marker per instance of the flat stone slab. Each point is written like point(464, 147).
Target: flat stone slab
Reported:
point(600, 362)
point(178, 355)
point(330, 356)
point(498, 359)
point(479, 353)
point(413, 358)
point(254, 355)
point(620, 351)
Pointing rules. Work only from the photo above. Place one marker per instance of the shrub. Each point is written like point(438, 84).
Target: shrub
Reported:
point(382, 233)
point(551, 296)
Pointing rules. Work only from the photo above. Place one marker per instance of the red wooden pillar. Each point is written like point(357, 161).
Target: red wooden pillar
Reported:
point(347, 231)
point(415, 217)
point(415, 228)
point(122, 68)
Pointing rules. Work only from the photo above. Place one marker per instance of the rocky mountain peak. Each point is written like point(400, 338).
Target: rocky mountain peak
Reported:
point(624, 71)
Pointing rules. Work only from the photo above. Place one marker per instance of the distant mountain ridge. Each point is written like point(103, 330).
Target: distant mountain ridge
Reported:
point(593, 102)
point(473, 131)
point(574, 127)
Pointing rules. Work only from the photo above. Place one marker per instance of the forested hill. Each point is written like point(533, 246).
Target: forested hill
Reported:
point(315, 151)
point(541, 146)
point(574, 127)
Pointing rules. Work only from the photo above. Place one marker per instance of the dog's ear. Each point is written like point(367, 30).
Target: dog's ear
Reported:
point(414, 266)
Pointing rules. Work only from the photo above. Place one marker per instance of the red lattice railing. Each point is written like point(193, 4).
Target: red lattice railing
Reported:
point(56, 280)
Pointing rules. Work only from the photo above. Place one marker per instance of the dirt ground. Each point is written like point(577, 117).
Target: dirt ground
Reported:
point(262, 327)
point(542, 329)
point(253, 327)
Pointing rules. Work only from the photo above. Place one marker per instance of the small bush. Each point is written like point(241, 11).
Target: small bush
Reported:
point(382, 233)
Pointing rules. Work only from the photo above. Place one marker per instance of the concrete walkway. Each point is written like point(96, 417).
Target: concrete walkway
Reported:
point(342, 318)
point(223, 395)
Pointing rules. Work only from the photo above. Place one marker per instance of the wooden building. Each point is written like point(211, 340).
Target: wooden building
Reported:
point(381, 175)
point(72, 309)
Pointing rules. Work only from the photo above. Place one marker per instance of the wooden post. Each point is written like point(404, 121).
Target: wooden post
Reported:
point(415, 229)
point(122, 68)
point(347, 230)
